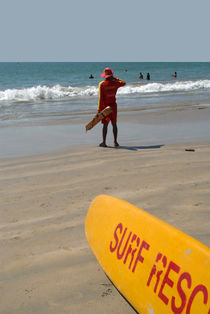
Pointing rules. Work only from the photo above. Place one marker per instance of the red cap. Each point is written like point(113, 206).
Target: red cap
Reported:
point(107, 73)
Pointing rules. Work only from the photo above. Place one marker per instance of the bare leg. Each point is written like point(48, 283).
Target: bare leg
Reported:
point(104, 134)
point(115, 132)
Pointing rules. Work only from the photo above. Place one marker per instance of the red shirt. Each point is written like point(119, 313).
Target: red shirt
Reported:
point(107, 92)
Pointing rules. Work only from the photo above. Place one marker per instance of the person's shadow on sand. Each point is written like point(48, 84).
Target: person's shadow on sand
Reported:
point(140, 147)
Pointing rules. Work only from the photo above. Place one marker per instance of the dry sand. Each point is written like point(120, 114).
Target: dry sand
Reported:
point(46, 265)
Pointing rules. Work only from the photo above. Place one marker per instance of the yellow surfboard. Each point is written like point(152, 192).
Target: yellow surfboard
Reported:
point(156, 267)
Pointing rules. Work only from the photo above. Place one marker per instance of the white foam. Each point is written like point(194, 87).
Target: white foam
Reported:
point(60, 92)
point(179, 86)
point(47, 93)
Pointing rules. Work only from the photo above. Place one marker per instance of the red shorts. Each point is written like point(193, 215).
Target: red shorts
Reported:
point(111, 117)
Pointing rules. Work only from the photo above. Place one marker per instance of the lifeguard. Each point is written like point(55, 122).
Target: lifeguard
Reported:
point(107, 97)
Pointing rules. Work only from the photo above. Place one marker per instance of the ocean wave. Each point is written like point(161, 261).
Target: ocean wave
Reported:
point(60, 92)
point(46, 93)
point(180, 86)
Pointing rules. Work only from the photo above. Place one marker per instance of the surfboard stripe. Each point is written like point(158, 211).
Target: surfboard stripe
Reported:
point(99, 94)
point(158, 268)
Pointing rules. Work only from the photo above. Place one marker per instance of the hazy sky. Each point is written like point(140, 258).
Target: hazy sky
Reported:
point(109, 30)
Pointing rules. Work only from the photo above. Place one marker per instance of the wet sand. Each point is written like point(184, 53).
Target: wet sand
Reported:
point(169, 124)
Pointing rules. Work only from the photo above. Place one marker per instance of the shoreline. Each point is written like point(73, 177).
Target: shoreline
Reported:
point(169, 124)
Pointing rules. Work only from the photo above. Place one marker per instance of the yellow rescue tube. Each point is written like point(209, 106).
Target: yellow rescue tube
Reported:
point(156, 267)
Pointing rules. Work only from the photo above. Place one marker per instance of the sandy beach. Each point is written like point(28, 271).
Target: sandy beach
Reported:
point(46, 263)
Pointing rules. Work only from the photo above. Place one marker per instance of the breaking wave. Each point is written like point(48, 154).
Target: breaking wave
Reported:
point(46, 93)
point(180, 86)
point(60, 92)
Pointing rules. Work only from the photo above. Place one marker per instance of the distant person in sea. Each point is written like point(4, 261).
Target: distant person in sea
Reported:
point(141, 76)
point(174, 75)
point(107, 97)
point(91, 76)
point(148, 76)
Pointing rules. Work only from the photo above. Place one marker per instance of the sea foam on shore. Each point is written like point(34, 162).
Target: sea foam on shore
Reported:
point(62, 92)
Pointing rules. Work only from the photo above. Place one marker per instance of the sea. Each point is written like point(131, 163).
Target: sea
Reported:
point(39, 93)
point(44, 91)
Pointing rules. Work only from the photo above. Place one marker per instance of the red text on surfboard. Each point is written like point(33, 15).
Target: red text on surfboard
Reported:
point(128, 247)
point(160, 278)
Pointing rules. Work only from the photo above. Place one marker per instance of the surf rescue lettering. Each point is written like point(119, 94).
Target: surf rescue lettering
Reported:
point(158, 280)
point(131, 254)
point(132, 250)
